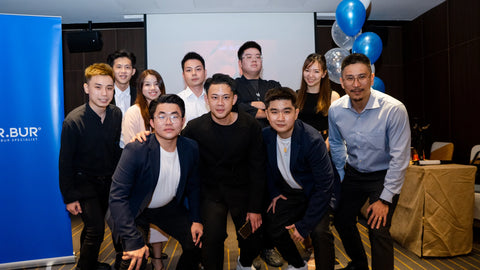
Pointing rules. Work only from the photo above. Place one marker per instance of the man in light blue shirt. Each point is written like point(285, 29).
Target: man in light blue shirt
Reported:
point(369, 135)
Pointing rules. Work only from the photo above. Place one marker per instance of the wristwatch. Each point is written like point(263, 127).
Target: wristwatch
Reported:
point(385, 202)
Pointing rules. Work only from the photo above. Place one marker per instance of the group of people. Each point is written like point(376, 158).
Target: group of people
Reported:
point(285, 165)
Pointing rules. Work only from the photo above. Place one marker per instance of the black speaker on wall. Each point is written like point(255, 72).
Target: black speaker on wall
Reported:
point(84, 41)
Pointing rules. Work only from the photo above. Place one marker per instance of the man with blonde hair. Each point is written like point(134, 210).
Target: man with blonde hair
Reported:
point(89, 153)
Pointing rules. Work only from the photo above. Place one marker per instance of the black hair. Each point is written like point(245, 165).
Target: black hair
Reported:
point(167, 98)
point(192, 55)
point(248, 45)
point(356, 58)
point(121, 53)
point(220, 78)
point(280, 93)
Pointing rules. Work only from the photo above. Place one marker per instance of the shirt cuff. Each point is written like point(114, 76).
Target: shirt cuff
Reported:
point(387, 195)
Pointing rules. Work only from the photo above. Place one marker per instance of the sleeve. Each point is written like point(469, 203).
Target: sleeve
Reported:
point(323, 177)
point(68, 144)
point(338, 148)
point(193, 186)
point(122, 182)
point(399, 143)
point(132, 124)
point(257, 173)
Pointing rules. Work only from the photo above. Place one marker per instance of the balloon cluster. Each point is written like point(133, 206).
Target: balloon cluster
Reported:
point(347, 34)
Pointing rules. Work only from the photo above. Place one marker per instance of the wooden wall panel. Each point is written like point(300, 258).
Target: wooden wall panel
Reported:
point(74, 64)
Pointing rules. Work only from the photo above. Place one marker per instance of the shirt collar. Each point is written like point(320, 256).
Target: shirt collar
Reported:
point(373, 101)
point(191, 94)
point(120, 93)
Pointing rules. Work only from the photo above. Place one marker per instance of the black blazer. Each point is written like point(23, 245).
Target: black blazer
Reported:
point(133, 95)
point(135, 180)
point(311, 167)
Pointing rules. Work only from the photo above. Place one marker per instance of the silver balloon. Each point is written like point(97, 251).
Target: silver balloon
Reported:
point(365, 3)
point(334, 58)
point(373, 68)
point(341, 39)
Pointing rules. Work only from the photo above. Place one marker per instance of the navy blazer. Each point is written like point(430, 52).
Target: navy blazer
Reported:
point(311, 168)
point(135, 179)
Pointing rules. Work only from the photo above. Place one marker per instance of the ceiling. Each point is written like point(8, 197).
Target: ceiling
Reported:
point(110, 11)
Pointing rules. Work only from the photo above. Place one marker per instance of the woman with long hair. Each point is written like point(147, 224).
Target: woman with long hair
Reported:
point(315, 96)
point(136, 119)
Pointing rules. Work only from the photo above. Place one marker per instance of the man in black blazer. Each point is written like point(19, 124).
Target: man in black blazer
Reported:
point(157, 182)
point(300, 181)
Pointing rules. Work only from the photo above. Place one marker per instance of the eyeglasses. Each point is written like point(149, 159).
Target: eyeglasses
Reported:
point(250, 57)
point(162, 118)
point(362, 79)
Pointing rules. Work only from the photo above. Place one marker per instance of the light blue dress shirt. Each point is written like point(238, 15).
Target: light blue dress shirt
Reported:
point(376, 139)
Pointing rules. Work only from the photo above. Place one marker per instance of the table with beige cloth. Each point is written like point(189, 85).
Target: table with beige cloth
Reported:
point(434, 215)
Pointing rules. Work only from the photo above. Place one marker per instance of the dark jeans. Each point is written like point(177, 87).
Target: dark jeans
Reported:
point(93, 217)
point(357, 187)
point(289, 211)
point(214, 214)
point(173, 219)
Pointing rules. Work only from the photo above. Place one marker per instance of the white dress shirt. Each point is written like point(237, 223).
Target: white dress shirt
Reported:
point(122, 99)
point(194, 106)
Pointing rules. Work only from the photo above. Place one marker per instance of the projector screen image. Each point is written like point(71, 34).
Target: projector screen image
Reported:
point(286, 40)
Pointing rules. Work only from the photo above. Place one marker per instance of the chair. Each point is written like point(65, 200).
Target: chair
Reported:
point(475, 149)
point(441, 151)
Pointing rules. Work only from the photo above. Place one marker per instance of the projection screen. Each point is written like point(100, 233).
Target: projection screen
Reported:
point(286, 40)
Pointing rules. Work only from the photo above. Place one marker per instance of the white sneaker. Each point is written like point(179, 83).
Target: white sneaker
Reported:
point(305, 267)
point(240, 267)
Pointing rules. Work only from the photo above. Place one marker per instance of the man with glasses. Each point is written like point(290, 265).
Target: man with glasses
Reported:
point(251, 88)
point(232, 171)
point(157, 182)
point(370, 147)
point(251, 91)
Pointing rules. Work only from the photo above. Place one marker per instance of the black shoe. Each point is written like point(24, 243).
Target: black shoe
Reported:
point(271, 257)
point(351, 266)
point(103, 266)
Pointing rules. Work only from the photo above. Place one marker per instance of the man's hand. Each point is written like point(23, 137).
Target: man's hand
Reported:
point(74, 208)
point(141, 136)
point(274, 202)
point(197, 232)
point(255, 220)
point(294, 234)
point(136, 257)
point(378, 215)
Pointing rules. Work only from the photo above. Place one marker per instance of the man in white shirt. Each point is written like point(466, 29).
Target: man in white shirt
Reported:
point(157, 182)
point(194, 74)
point(123, 64)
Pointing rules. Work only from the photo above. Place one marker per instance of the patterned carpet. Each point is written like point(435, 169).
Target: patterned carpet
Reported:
point(404, 259)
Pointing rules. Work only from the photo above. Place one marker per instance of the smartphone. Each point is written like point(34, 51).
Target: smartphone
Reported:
point(246, 230)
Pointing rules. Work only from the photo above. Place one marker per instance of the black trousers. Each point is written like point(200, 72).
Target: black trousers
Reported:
point(93, 217)
point(357, 187)
point(214, 214)
point(289, 211)
point(172, 218)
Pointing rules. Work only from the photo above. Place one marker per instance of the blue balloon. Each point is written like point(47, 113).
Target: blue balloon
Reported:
point(369, 44)
point(378, 84)
point(350, 15)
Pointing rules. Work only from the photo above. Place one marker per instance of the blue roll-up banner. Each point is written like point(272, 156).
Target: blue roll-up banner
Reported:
point(35, 228)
